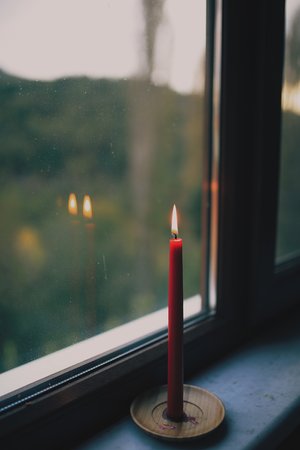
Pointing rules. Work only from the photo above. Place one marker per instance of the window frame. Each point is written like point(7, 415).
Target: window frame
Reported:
point(276, 288)
point(247, 281)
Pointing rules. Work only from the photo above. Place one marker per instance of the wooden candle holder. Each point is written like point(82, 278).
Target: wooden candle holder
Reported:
point(203, 412)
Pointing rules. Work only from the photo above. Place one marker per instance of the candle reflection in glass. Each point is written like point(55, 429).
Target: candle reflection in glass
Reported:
point(72, 204)
point(87, 210)
point(74, 300)
point(87, 213)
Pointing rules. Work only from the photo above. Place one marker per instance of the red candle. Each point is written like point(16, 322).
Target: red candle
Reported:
point(175, 326)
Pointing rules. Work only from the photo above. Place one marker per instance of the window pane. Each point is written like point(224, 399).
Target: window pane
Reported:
point(106, 104)
point(288, 236)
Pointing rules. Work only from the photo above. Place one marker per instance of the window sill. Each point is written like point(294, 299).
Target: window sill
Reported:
point(259, 385)
point(96, 346)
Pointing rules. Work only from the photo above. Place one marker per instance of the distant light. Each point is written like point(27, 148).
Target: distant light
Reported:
point(87, 207)
point(72, 205)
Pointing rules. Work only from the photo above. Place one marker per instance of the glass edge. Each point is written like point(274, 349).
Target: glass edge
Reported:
point(48, 384)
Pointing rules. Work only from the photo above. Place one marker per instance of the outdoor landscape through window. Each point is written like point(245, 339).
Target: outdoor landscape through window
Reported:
point(101, 132)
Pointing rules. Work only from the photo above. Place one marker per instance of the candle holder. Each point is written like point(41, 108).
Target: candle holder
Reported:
point(196, 410)
point(203, 412)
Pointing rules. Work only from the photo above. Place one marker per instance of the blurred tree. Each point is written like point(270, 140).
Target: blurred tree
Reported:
point(143, 144)
point(153, 14)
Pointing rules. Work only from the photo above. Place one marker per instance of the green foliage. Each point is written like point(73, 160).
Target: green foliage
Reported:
point(136, 149)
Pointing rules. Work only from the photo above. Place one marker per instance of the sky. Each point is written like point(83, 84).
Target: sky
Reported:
point(48, 39)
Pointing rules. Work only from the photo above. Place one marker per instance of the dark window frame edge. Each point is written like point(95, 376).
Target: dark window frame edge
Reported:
point(251, 273)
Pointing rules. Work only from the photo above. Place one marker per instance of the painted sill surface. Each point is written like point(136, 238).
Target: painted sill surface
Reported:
point(259, 385)
point(96, 346)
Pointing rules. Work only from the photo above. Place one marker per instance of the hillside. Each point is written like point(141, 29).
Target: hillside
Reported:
point(135, 148)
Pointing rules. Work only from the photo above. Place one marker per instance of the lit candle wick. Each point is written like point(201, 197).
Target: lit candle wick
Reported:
point(174, 227)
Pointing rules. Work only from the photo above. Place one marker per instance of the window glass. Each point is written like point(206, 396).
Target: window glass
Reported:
point(101, 132)
point(288, 236)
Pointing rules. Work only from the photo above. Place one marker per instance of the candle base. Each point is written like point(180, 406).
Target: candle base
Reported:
point(203, 412)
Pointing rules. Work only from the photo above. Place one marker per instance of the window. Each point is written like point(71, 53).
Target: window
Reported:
point(102, 133)
point(243, 123)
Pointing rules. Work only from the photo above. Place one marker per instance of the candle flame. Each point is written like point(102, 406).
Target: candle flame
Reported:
point(174, 228)
point(72, 205)
point(87, 207)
